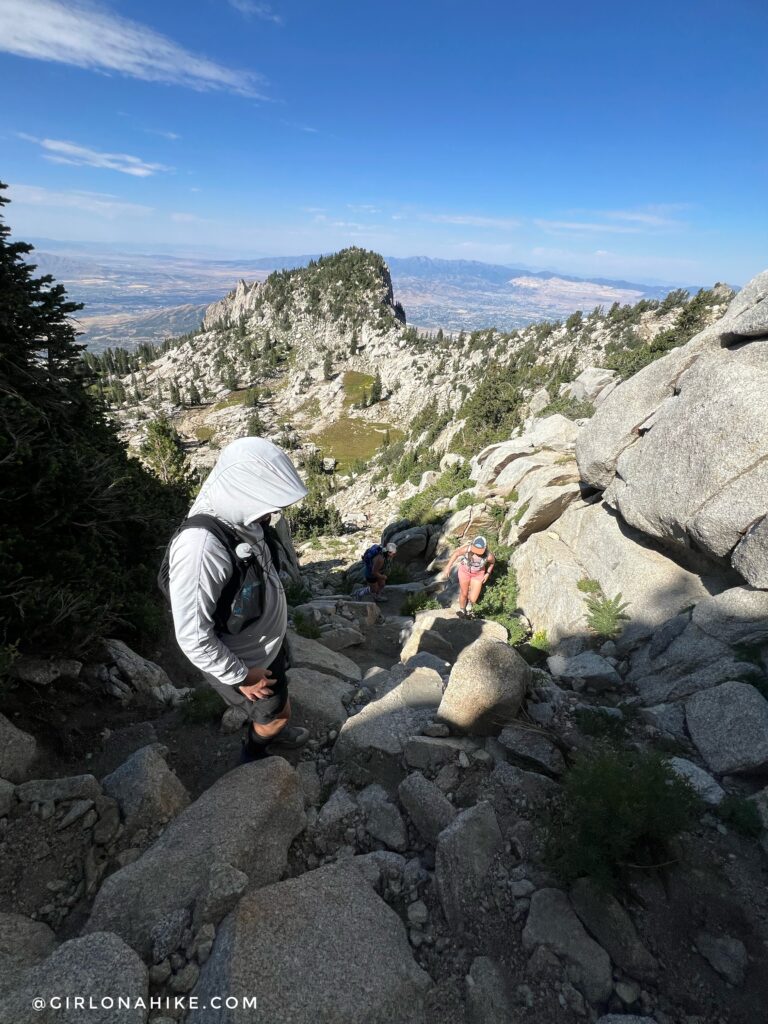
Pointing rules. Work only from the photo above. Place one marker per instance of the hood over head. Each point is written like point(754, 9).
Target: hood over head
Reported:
point(251, 478)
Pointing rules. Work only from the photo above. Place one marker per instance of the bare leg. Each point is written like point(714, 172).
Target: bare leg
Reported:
point(463, 593)
point(475, 589)
point(268, 730)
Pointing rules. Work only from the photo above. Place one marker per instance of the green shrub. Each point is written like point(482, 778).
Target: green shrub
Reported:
point(605, 615)
point(540, 641)
point(742, 815)
point(397, 573)
point(419, 602)
point(305, 627)
point(588, 586)
point(599, 724)
point(204, 434)
point(296, 593)
point(464, 501)
point(498, 601)
point(202, 705)
point(570, 407)
point(619, 809)
point(420, 508)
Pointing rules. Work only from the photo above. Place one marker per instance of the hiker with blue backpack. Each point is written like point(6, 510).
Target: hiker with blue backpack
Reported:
point(376, 565)
point(229, 607)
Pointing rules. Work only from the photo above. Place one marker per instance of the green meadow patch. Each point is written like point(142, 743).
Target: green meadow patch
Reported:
point(350, 439)
point(357, 387)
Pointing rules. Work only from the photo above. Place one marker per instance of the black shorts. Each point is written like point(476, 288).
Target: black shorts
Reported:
point(268, 708)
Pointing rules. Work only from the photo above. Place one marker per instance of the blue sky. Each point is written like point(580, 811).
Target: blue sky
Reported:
point(597, 138)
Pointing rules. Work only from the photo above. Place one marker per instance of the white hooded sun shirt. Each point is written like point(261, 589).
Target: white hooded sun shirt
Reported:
point(252, 478)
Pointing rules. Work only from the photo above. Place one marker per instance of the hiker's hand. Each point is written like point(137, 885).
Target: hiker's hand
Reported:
point(256, 684)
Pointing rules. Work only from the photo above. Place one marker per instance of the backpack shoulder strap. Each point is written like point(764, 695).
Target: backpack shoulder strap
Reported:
point(230, 539)
point(223, 533)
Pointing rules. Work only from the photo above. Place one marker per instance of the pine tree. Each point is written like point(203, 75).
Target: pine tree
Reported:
point(81, 520)
point(173, 393)
point(327, 366)
point(229, 377)
point(163, 452)
point(375, 395)
point(353, 345)
point(254, 427)
point(194, 395)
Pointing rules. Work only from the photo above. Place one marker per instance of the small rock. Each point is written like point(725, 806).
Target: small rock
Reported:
point(707, 788)
point(426, 806)
point(185, 980)
point(728, 956)
point(148, 792)
point(310, 782)
point(7, 797)
point(166, 935)
point(436, 729)
point(418, 914)
point(489, 997)
point(77, 787)
point(532, 748)
point(553, 923)
point(160, 973)
point(337, 811)
point(77, 810)
point(383, 820)
point(729, 725)
point(606, 919)
point(464, 854)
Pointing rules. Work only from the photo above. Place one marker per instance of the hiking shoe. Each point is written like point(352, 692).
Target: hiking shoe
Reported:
point(291, 737)
point(251, 751)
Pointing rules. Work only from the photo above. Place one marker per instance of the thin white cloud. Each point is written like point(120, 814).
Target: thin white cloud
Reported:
point(100, 203)
point(252, 9)
point(363, 208)
point(84, 34)
point(59, 151)
point(588, 227)
point(469, 220)
point(645, 220)
point(301, 127)
point(345, 225)
point(171, 136)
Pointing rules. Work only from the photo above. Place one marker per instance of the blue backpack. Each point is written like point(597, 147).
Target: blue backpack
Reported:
point(370, 554)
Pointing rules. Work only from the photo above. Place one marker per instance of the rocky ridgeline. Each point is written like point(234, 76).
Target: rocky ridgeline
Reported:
point(342, 307)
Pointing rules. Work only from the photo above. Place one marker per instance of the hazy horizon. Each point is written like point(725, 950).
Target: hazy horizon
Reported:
point(593, 141)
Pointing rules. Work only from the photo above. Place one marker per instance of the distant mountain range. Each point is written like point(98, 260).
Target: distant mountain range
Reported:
point(130, 297)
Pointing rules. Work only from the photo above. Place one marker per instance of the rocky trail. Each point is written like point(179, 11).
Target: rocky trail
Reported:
point(393, 870)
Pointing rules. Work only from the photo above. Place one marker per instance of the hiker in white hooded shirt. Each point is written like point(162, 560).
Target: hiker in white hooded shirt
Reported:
point(251, 480)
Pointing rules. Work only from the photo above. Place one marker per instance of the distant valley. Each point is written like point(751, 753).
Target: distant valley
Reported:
point(135, 297)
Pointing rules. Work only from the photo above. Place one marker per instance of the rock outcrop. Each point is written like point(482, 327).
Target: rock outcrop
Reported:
point(679, 449)
point(245, 821)
point(326, 943)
